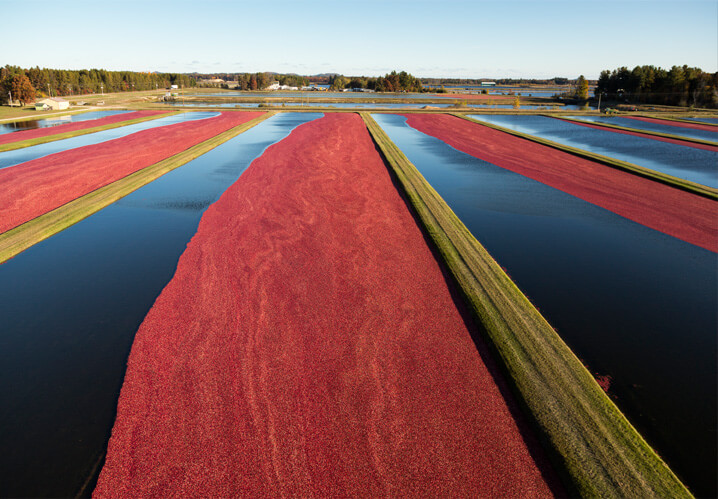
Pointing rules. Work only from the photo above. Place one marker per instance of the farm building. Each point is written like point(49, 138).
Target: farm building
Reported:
point(54, 103)
point(488, 83)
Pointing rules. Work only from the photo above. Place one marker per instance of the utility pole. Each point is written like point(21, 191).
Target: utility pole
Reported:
point(10, 94)
point(599, 101)
point(48, 90)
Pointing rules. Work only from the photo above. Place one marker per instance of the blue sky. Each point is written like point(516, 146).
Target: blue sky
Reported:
point(468, 39)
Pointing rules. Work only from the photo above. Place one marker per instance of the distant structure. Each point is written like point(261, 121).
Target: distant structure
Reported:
point(488, 83)
point(54, 103)
point(276, 86)
point(174, 87)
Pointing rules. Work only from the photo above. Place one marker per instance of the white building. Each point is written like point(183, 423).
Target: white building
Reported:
point(54, 103)
point(273, 86)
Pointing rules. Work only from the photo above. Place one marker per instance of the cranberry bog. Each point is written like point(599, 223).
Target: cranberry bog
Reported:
point(611, 287)
point(366, 342)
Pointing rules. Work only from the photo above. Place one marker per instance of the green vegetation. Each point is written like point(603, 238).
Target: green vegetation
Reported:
point(678, 86)
point(591, 442)
point(38, 229)
point(657, 176)
point(67, 135)
point(93, 81)
point(582, 88)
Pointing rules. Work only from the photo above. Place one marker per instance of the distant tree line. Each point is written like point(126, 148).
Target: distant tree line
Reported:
point(64, 82)
point(678, 86)
point(390, 82)
point(251, 81)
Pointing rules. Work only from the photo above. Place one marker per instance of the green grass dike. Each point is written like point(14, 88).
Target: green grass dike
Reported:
point(591, 443)
point(40, 228)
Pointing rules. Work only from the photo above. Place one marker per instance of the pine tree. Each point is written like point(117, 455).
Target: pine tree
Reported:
point(582, 88)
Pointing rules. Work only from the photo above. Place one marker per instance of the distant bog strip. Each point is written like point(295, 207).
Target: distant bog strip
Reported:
point(663, 137)
point(677, 213)
point(41, 185)
point(708, 127)
point(40, 228)
point(26, 138)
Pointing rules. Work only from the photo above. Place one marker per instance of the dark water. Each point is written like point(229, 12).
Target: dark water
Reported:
point(17, 156)
point(70, 307)
point(18, 126)
point(689, 163)
point(631, 302)
point(652, 127)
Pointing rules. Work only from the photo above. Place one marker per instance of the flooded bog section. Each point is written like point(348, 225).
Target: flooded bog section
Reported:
point(17, 156)
point(689, 163)
point(651, 127)
point(19, 126)
point(634, 304)
point(70, 307)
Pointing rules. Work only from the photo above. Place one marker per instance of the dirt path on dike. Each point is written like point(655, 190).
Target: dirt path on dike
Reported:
point(678, 213)
point(35, 187)
point(309, 345)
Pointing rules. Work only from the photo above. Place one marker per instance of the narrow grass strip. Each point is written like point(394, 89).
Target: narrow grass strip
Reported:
point(40, 228)
point(638, 130)
point(664, 178)
point(591, 442)
point(59, 136)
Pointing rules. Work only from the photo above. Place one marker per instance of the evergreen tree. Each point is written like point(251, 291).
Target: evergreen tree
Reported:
point(582, 88)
